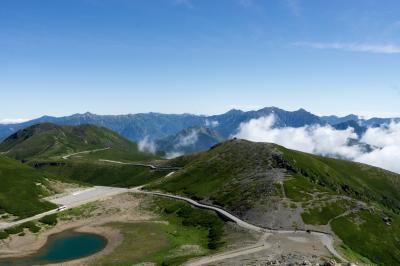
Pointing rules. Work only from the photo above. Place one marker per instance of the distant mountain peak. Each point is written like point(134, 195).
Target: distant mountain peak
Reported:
point(352, 117)
point(83, 115)
point(87, 114)
point(233, 111)
point(303, 110)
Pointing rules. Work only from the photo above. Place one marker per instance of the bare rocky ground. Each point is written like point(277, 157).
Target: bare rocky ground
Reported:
point(269, 249)
point(276, 213)
point(285, 249)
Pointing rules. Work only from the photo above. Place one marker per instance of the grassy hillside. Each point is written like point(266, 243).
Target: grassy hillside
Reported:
point(43, 146)
point(233, 175)
point(357, 180)
point(248, 178)
point(21, 189)
point(101, 173)
point(50, 141)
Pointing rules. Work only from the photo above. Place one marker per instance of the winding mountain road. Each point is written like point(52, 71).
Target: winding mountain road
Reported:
point(99, 192)
point(326, 239)
point(78, 198)
point(65, 157)
point(222, 212)
point(259, 246)
point(153, 167)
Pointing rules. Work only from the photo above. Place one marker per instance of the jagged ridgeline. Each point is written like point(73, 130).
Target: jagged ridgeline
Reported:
point(274, 187)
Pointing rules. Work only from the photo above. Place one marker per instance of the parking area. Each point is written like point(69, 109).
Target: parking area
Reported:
point(78, 197)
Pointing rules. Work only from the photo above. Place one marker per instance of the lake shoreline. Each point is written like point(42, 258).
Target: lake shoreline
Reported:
point(112, 237)
point(95, 218)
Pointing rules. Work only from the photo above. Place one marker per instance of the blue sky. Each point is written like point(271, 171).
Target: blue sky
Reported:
point(198, 56)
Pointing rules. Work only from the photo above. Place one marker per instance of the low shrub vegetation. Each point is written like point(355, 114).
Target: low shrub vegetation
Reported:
point(198, 218)
point(14, 230)
point(368, 235)
point(322, 215)
point(3, 235)
point(31, 226)
point(49, 219)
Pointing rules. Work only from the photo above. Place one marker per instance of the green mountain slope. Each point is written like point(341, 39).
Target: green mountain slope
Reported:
point(101, 173)
point(45, 147)
point(357, 180)
point(269, 185)
point(49, 141)
point(21, 188)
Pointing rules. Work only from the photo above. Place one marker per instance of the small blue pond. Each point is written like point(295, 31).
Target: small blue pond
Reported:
point(61, 247)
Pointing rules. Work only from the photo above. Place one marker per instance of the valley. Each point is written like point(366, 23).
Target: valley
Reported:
point(287, 206)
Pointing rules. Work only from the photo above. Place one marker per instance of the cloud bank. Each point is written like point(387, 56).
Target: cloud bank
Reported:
point(386, 141)
point(327, 141)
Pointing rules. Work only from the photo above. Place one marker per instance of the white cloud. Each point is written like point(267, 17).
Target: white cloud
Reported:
point(173, 154)
point(354, 47)
point(212, 123)
point(181, 143)
point(386, 158)
point(187, 140)
point(327, 141)
point(147, 145)
point(383, 136)
point(323, 140)
point(387, 143)
point(13, 120)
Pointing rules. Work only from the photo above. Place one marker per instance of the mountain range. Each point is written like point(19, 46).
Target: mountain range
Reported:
point(262, 183)
point(165, 129)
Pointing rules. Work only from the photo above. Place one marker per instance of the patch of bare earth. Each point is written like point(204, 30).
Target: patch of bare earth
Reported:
point(278, 249)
